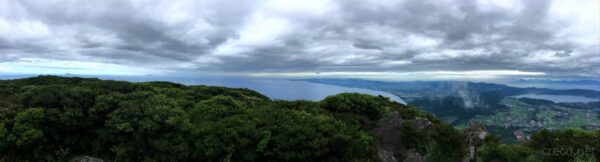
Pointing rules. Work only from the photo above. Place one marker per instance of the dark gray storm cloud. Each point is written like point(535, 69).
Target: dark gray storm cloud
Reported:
point(560, 37)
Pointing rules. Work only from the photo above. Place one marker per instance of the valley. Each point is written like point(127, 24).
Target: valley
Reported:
point(504, 110)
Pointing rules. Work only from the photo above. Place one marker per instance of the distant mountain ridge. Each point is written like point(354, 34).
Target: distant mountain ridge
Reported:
point(434, 88)
point(497, 106)
point(555, 81)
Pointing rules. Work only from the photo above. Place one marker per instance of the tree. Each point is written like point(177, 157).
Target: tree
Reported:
point(373, 107)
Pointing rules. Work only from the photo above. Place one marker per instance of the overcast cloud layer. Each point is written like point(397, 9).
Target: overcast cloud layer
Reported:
point(407, 38)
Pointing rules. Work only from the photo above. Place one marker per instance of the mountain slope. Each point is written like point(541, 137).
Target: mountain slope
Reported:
point(51, 118)
point(57, 119)
point(493, 105)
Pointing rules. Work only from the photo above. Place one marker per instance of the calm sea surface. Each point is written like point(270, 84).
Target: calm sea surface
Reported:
point(273, 88)
point(558, 98)
point(557, 86)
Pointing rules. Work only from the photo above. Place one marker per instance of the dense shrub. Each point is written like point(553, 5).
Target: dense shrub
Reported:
point(373, 107)
point(546, 145)
point(52, 118)
point(565, 145)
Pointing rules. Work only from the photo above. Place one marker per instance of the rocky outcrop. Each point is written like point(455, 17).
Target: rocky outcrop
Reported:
point(475, 134)
point(413, 155)
point(389, 132)
point(87, 159)
point(420, 124)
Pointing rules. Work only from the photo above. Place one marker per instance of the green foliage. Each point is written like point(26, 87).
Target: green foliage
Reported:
point(50, 118)
point(27, 127)
point(450, 144)
point(494, 151)
point(406, 129)
point(153, 122)
point(546, 145)
point(411, 138)
point(25, 133)
point(356, 109)
point(301, 105)
point(280, 135)
point(508, 153)
point(411, 112)
point(373, 107)
point(566, 145)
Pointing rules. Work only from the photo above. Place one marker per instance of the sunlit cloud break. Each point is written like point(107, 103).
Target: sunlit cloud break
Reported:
point(45, 66)
point(423, 75)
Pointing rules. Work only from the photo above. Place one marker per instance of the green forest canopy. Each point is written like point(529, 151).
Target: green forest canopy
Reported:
point(58, 118)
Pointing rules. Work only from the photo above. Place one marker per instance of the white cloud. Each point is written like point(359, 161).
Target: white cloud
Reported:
point(23, 30)
point(421, 42)
point(405, 36)
point(489, 5)
point(584, 18)
point(449, 54)
point(312, 7)
point(395, 63)
point(260, 31)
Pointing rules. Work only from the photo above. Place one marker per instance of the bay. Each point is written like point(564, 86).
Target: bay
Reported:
point(273, 88)
point(558, 98)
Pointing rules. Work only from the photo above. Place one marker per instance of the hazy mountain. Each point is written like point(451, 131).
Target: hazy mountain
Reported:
point(500, 107)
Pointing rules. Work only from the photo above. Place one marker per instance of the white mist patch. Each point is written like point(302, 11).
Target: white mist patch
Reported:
point(470, 99)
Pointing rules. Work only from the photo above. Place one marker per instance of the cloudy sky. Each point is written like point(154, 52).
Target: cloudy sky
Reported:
point(396, 39)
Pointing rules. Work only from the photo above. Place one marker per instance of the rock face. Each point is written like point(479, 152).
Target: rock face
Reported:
point(388, 132)
point(420, 124)
point(87, 159)
point(475, 135)
point(413, 156)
